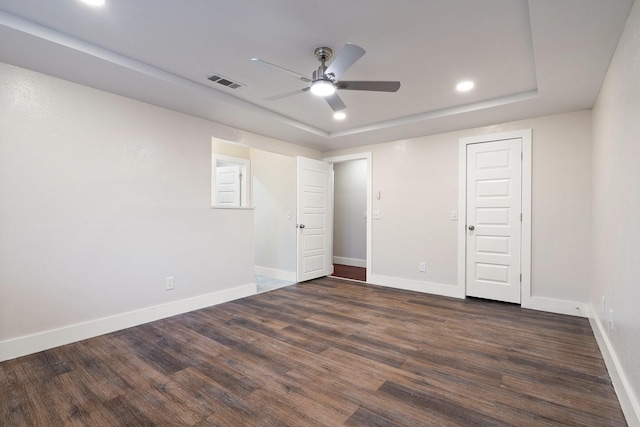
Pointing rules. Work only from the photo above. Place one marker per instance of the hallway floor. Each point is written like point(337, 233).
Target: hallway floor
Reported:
point(350, 272)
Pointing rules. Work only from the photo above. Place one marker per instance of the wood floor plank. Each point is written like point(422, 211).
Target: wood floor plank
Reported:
point(225, 406)
point(573, 398)
point(75, 403)
point(14, 408)
point(452, 410)
point(91, 368)
point(327, 352)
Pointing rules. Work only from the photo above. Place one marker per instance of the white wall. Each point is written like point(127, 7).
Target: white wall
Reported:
point(418, 180)
point(350, 205)
point(274, 195)
point(616, 213)
point(102, 198)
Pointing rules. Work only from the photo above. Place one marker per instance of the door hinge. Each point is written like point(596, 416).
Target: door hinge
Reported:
point(520, 217)
point(520, 278)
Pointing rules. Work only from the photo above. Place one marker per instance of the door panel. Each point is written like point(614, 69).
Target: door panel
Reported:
point(494, 199)
point(228, 185)
point(314, 219)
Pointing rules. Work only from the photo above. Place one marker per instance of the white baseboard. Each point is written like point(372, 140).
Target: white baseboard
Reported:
point(551, 305)
point(628, 400)
point(415, 285)
point(354, 262)
point(572, 308)
point(273, 273)
point(22, 346)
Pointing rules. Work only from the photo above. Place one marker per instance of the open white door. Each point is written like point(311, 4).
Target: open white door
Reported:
point(314, 219)
point(494, 215)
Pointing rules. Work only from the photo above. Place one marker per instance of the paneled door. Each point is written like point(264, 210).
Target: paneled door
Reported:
point(228, 180)
point(493, 222)
point(314, 219)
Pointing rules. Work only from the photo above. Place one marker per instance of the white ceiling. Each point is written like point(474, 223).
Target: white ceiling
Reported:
point(527, 58)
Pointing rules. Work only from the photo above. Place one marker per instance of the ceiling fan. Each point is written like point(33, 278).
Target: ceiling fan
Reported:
point(325, 80)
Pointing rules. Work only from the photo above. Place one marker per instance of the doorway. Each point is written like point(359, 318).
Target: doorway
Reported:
point(494, 231)
point(351, 222)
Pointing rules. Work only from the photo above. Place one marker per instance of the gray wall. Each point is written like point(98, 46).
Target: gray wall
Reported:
point(418, 181)
point(102, 198)
point(616, 208)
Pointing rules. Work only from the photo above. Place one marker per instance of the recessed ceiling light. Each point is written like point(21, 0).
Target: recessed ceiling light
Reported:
point(339, 115)
point(95, 3)
point(465, 86)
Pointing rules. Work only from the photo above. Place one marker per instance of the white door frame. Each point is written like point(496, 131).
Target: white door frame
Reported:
point(359, 156)
point(525, 266)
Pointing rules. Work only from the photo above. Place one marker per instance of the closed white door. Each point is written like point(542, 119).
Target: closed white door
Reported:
point(494, 215)
point(228, 179)
point(314, 222)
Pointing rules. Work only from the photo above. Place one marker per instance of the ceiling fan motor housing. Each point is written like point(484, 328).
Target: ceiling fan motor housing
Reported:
point(320, 74)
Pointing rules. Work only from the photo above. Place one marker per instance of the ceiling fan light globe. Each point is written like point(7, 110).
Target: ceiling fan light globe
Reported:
point(95, 3)
point(323, 87)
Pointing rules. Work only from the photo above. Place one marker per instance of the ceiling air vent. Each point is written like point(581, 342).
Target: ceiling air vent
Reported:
point(221, 80)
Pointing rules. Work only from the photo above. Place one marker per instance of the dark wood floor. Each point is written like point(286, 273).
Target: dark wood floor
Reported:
point(323, 353)
point(350, 272)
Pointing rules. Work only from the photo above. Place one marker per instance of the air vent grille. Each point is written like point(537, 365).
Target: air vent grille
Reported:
point(221, 80)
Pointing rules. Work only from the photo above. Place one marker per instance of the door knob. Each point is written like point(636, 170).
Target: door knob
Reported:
point(300, 225)
point(471, 227)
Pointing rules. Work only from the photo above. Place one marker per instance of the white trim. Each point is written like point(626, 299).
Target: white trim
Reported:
point(369, 158)
point(274, 273)
point(572, 308)
point(22, 346)
point(353, 262)
point(416, 286)
point(525, 135)
point(246, 188)
point(238, 208)
point(628, 400)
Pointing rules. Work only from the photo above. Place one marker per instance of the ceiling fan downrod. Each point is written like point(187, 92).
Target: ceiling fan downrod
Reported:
point(323, 54)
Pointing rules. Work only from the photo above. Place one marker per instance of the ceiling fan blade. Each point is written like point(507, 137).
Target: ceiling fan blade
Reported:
point(378, 86)
point(274, 67)
point(284, 95)
point(347, 56)
point(335, 102)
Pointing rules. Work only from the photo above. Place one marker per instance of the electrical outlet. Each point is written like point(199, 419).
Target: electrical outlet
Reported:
point(288, 214)
point(423, 267)
point(168, 283)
